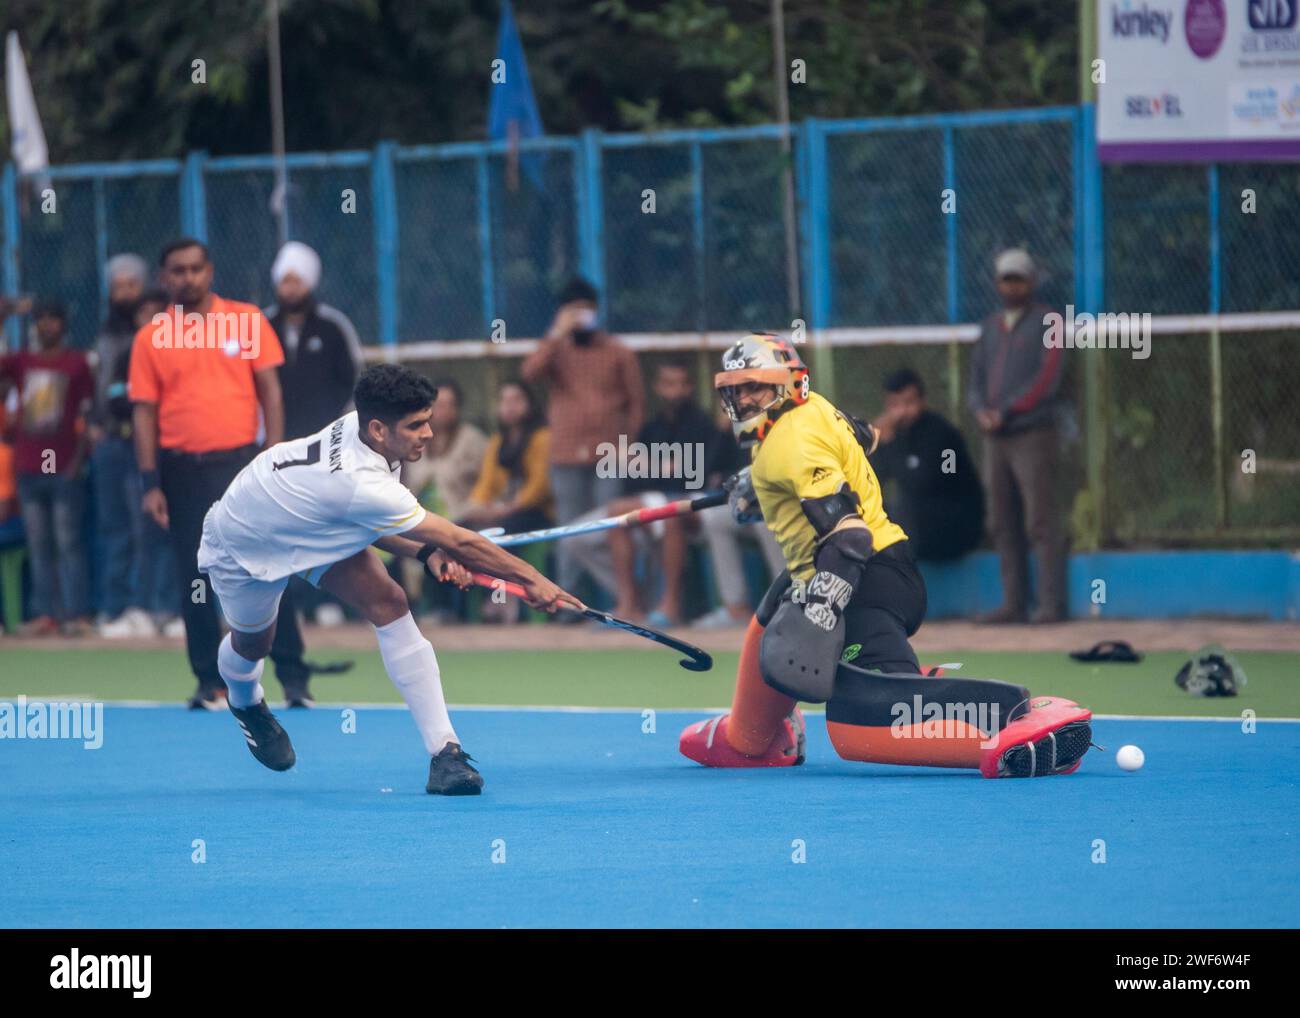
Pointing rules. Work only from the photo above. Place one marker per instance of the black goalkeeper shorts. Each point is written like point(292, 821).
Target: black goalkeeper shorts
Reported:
point(887, 607)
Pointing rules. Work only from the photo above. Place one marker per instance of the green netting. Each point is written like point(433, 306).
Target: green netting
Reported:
point(743, 267)
point(58, 255)
point(1159, 435)
point(1157, 246)
point(1262, 248)
point(1260, 418)
point(345, 240)
point(242, 233)
point(61, 251)
point(1015, 189)
point(439, 283)
point(533, 236)
point(652, 276)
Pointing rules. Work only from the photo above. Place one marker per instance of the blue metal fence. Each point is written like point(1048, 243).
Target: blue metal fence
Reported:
point(683, 232)
point(441, 241)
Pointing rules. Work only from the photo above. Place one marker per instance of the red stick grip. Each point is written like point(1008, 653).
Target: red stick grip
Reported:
point(682, 507)
point(484, 580)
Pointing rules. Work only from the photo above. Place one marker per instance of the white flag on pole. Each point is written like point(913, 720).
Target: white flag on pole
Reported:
point(29, 151)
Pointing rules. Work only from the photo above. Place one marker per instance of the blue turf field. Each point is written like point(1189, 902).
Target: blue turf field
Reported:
point(604, 825)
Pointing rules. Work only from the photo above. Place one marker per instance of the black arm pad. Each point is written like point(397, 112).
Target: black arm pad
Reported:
point(826, 512)
point(851, 544)
point(844, 554)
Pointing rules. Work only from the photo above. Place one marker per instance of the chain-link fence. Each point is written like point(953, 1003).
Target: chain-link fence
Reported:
point(694, 237)
point(330, 206)
point(1187, 239)
point(1199, 440)
point(684, 233)
point(68, 231)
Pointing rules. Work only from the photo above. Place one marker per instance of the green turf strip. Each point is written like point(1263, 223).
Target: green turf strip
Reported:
point(650, 678)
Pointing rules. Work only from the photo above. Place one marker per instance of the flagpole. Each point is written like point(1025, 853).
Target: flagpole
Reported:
point(27, 173)
point(780, 72)
point(280, 195)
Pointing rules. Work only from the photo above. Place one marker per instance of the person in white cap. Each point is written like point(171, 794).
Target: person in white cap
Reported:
point(1014, 390)
point(322, 360)
point(322, 354)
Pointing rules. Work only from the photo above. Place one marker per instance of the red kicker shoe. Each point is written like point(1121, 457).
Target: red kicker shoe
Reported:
point(706, 743)
point(1050, 738)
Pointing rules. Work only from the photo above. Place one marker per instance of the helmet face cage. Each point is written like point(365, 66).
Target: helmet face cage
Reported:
point(730, 395)
point(765, 359)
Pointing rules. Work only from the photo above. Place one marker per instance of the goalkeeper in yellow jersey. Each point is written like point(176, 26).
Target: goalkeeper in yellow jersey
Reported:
point(834, 627)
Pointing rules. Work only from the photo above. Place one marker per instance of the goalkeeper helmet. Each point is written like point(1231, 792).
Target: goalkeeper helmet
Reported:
point(765, 359)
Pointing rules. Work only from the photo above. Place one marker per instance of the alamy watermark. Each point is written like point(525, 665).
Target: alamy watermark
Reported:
point(922, 719)
point(238, 333)
point(77, 971)
point(40, 719)
point(657, 460)
point(1106, 331)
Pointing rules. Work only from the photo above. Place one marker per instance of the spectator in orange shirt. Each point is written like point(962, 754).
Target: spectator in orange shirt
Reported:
point(199, 374)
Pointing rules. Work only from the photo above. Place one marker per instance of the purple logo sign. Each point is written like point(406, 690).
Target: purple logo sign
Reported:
point(1206, 23)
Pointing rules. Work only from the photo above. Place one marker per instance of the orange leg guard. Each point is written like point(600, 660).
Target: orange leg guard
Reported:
point(908, 746)
point(757, 710)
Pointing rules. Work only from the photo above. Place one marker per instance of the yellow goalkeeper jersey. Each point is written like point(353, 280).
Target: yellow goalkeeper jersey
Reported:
point(810, 451)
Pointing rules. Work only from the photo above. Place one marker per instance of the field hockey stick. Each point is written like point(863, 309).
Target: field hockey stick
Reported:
point(635, 518)
point(696, 660)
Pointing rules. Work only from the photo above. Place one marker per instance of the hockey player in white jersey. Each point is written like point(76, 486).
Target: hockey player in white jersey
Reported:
point(314, 506)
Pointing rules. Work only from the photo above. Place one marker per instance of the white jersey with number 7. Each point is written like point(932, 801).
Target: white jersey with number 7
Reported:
point(312, 502)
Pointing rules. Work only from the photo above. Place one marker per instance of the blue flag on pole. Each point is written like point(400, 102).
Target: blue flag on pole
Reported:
point(512, 114)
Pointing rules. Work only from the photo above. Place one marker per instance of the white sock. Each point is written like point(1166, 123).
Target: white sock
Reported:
point(242, 676)
point(412, 665)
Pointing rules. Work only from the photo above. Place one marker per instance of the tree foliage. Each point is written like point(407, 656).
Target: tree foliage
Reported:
point(113, 77)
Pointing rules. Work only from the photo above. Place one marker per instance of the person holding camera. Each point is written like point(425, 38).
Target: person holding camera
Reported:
point(595, 393)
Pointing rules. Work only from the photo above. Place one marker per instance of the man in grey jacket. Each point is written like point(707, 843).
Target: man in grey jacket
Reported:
point(1014, 392)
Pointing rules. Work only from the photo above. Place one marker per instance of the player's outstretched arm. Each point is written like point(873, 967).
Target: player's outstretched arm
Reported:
point(478, 554)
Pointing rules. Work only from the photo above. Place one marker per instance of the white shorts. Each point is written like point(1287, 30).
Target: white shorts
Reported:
point(249, 605)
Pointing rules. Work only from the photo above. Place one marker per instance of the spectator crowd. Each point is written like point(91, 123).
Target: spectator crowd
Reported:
point(111, 454)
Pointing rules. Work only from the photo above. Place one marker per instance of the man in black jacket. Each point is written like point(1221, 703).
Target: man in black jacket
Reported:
point(937, 496)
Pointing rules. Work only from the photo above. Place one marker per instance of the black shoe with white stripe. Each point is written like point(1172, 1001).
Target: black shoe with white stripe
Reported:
point(450, 773)
point(266, 739)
